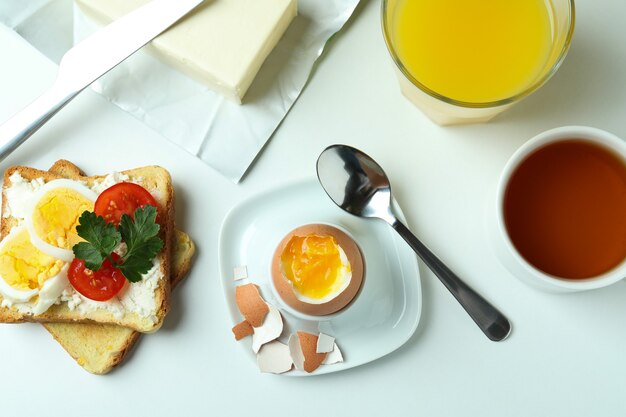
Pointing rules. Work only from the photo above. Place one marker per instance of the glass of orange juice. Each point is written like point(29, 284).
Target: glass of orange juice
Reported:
point(465, 61)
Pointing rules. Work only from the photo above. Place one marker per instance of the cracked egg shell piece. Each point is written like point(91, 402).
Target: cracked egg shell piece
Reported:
point(274, 357)
point(334, 356)
point(242, 330)
point(303, 347)
point(251, 304)
point(296, 352)
point(270, 330)
point(325, 343)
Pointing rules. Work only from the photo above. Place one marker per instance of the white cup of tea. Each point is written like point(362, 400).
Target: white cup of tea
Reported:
point(558, 221)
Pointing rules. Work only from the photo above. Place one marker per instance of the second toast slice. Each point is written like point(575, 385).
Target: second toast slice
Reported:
point(98, 348)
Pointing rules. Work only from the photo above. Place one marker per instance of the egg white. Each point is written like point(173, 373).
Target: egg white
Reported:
point(48, 294)
point(51, 290)
point(14, 295)
point(58, 253)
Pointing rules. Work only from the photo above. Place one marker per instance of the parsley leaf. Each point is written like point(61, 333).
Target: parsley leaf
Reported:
point(90, 254)
point(142, 241)
point(140, 235)
point(101, 239)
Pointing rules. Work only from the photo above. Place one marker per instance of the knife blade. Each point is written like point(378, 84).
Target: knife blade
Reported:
point(89, 60)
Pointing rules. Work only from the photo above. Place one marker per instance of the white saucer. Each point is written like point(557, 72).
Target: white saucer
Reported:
point(386, 312)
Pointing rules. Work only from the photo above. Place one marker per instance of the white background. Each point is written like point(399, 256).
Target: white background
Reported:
point(564, 358)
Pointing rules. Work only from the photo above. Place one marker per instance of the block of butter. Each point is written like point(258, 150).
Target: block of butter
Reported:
point(222, 43)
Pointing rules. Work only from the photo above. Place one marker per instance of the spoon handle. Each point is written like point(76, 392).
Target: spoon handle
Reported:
point(493, 323)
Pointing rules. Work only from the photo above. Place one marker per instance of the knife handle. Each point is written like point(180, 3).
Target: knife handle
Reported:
point(27, 121)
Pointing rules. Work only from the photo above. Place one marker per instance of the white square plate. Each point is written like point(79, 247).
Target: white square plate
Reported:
point(387, 310)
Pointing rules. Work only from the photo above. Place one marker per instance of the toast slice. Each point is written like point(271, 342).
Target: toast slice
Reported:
point(158, 181)
point(98, 348)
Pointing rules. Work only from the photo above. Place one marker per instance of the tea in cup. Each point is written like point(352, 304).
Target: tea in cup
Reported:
point(560, 220)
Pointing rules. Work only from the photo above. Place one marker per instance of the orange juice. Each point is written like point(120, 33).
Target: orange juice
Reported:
point(474, 51)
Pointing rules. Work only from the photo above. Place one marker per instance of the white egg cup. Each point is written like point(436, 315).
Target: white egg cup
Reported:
point(504, 248)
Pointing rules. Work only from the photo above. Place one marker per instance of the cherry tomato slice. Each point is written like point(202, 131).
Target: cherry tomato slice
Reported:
point(101, 285)
point(122, 198)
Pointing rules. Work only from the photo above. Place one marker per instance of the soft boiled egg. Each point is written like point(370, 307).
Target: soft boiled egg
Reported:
point(317, 269)
point(52, 221)
point(26, 272)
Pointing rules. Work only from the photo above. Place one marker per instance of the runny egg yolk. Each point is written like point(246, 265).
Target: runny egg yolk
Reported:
point(313, 265)
point(56, 216)
point(23, 266)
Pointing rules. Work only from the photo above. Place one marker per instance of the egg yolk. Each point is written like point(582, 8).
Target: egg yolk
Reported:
point(23, 266)
point(313, 264)
point(56, 216)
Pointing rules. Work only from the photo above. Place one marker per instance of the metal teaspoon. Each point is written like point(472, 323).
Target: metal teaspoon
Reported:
point(358, 185)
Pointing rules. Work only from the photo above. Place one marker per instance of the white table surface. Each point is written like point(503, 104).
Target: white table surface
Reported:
point(565, 356)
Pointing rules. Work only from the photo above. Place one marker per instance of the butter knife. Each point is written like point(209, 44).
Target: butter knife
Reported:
point(89, 60)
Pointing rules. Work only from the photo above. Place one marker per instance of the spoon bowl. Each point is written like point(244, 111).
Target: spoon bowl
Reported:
point(355, 182)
